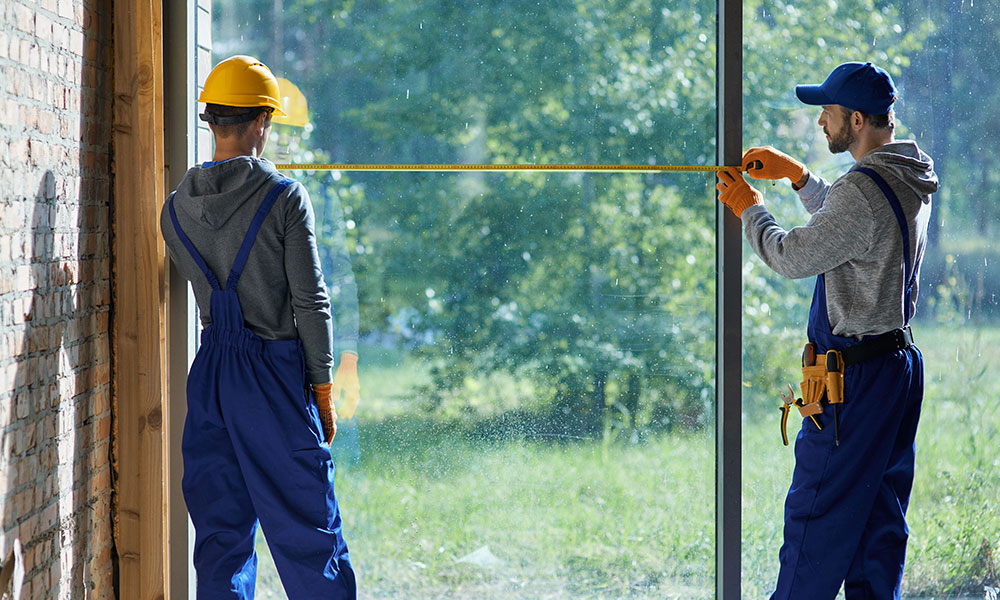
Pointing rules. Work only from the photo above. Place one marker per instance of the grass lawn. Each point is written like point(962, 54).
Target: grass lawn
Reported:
point(441, 510)
point(447, 515)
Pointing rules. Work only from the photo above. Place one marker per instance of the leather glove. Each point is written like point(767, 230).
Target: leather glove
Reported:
point(769, 163)
point(327, 411)
point(735, 192)
point(346, 380)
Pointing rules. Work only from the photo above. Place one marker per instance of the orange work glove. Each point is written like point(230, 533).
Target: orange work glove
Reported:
point(735, 192)
point(768, 163)
point(346, 380)
point(327, 411)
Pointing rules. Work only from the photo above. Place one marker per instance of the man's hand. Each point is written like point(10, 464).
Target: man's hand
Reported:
point(768, 163)
point(327, 411)
point(346, 380)
point(735, 192)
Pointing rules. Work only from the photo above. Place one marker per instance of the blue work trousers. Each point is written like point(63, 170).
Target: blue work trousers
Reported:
point(845, 513)
point(252, 451)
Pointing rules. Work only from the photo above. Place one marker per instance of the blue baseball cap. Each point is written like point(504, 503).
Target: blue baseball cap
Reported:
point(857, 86)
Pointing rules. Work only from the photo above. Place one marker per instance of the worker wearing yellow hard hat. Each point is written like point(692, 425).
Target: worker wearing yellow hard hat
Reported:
point(259, 393)
point(242, 81)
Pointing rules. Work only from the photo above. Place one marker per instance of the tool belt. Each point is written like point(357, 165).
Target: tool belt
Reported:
point(824, 378)
point(820, 379)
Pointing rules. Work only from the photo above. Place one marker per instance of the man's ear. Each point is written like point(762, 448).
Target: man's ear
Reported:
point(262, 121)
point(857, 120)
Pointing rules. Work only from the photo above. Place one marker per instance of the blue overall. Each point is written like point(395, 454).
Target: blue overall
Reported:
point(253, 450)
point(845, 510)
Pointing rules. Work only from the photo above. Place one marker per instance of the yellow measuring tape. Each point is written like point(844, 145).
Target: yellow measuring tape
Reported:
point(521, 167)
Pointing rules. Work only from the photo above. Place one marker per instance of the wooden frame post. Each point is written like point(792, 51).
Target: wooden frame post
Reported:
point(138, 309)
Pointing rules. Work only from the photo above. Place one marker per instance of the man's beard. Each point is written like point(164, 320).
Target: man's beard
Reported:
point(843, 140)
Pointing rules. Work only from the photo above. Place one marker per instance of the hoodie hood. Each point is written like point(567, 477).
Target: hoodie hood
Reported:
point(212, 194)
point(907, 163)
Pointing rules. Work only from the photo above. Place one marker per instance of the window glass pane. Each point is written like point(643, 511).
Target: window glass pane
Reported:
point(581, 81)
point(933, 51)
point(536, 350)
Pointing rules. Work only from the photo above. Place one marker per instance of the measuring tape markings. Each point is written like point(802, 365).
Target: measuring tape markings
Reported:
point(516, 167)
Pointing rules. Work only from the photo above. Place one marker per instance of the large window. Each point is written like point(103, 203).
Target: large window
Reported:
point(537, 350)
point(947, 90)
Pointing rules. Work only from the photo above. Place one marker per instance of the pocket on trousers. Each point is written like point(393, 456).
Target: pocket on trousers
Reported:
point(314, 484)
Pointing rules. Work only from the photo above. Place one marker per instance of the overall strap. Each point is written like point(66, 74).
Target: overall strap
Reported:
point(212, 281)
point(909, 275)
point(251, 236)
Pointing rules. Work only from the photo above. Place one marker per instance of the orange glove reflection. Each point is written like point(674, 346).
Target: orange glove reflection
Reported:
point(735, 193)
point(770, 163)
point(346, 380)
point(327, 411)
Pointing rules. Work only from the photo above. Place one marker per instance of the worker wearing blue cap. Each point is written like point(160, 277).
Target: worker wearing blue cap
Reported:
point(854, 457)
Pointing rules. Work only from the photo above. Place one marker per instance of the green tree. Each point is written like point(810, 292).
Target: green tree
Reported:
point(598, 287)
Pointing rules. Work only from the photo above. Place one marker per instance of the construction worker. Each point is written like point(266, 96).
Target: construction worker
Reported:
point(845, 510)
point(260, 409)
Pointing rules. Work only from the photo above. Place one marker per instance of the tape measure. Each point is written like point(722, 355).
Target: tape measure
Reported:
point(519, 167)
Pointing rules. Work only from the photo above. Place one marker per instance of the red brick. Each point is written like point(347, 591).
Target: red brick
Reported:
point(19, 151)
point(46, 122)
point(14, 52)
point(29, 527)
point(60, 39)
point(66, 9)
point(43, 27)
point(29, 558)
point(23, 278)
point(34, 56)
point(24, 18)
point(64, 126)
point(40, 275)
point(76, 42)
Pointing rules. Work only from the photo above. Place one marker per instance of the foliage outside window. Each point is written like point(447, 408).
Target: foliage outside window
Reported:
point(537, 350)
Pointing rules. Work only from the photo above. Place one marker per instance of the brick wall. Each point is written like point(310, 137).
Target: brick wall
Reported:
point(55, 416)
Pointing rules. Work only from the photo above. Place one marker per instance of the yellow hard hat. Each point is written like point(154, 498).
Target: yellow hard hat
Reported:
point(294, 102)
point(242, 81)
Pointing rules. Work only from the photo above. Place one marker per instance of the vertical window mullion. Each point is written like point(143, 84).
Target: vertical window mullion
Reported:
point(729, 245)
point(180, 117)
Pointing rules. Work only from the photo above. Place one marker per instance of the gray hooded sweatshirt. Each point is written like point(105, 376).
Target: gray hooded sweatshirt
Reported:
point(853, 238)
point(281, 290)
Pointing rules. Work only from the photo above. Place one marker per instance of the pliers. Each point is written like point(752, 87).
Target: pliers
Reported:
point(787, 401)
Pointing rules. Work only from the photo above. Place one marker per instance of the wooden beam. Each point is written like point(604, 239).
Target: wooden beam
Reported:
point(139, 296)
